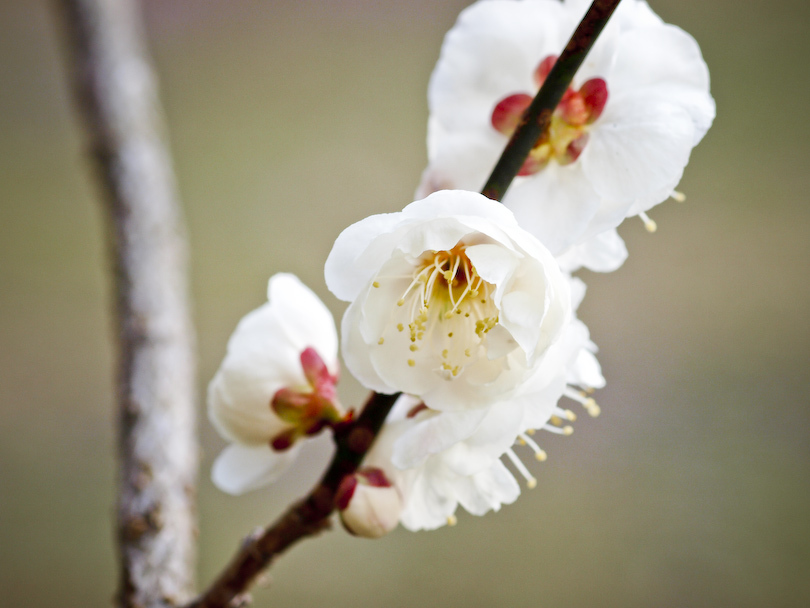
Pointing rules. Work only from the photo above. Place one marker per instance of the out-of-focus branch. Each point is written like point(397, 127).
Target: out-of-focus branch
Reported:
point(537, 116)
point(305, 518)
point(116, 92)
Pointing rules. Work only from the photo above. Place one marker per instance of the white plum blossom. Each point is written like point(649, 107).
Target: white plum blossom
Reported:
point(618, 142)
point(440, 460)
point(451, 300)
point(275, 385)
point(603, 252)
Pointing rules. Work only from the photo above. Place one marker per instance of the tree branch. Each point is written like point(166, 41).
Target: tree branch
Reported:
point(310, 516)
point(116, 92)
point(305, 518)
point(537, 116)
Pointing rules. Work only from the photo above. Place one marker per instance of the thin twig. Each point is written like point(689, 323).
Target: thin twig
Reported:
point(310, 516)
point(116, 92)
point(536, 118)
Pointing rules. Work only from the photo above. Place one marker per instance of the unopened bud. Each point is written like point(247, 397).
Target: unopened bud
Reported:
point(368, 503)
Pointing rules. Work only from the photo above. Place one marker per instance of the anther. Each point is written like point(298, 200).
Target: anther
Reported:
point(588, 403)
point(451, 520)
point(678, 197)
point(539, 453)
point(592, 407)
point(411, 363)
point(375, 284)
point(649, 224)
point(381, 340)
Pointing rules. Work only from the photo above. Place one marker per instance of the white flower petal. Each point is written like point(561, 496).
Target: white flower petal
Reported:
point(239, 468)
point(488, 490)
point(604, 252)
point(307, 321)
point(639, 150)
point(555, 205)
point(460, 160)
point(430, 502)
point(350, 264)
point(488, 36)
point(357, 353)
point(240, 409)
point(665, 62)
point(433, 434)
point(493, 436)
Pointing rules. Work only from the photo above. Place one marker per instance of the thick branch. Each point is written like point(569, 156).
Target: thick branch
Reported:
point(310, 516)
point(537, 116)
point(116, 92)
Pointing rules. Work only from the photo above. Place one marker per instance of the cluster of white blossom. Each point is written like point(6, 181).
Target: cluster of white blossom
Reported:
point(465, 305)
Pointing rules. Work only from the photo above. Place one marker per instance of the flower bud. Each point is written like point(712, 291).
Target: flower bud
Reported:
point(369, 504)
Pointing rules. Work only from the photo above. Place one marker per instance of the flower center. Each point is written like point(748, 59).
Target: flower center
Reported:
point(309, 409)
point(449, 310)
point(567, 133)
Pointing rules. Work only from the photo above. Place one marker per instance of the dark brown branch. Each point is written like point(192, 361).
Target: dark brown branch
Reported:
point(537, 116)
point(116, 92)
point(305, 518)
point(310, 516)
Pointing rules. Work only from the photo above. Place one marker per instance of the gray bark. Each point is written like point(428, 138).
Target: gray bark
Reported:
point(116, 91)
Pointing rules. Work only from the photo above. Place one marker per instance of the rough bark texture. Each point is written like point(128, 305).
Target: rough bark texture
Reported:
point(116, 91)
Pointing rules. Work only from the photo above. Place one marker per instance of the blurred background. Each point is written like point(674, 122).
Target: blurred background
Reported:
point(289, 120)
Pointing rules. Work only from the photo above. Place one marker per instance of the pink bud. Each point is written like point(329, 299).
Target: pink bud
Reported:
point(573, 109)
point(309, 410)
point(531, 166)
point(595, 95)
point(543, 69)
point(314, 368)
point(574, 149)
point(506, 115)
point(368, 503)
point(284, 440)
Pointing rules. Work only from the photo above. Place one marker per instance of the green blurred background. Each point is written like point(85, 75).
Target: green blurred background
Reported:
point(289, 121)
